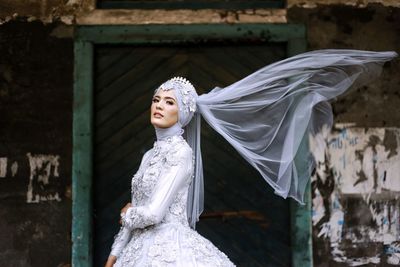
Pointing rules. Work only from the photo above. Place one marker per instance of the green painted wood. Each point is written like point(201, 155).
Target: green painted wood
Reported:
point(139, 34)
point(301, 224)
point(125, 60)
point(82, 155)
point(199, 4)
point(302, 255)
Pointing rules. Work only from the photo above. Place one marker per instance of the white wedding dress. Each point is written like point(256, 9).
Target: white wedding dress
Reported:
point(155, 229)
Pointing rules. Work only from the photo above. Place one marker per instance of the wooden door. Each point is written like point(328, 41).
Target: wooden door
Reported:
point(242, 217)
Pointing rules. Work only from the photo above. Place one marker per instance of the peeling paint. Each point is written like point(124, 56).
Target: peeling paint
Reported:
point(84, 12)
point(356, 193)
point(180, 16)
point(43, 178)
point(73, 12)
point(362, 158)
point(14, 168)
point(6, 167)
point(358, 3)
point(3, 167)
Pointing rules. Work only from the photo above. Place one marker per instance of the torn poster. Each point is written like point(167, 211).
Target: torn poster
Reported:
point(355, 195)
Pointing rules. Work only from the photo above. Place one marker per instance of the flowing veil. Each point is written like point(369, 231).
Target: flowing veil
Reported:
point(266, 115)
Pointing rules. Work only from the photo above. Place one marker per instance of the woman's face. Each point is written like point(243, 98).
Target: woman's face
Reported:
point(164, 109)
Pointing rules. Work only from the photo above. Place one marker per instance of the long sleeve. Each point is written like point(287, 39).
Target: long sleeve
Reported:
point(120, 241)
point(124, 234)
point(172, 179)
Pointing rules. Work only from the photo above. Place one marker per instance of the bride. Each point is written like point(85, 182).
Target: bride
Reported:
point(155, 229)
point(264, 116)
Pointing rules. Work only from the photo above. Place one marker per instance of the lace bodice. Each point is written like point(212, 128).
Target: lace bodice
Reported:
point(159, 188)
point(155, 230)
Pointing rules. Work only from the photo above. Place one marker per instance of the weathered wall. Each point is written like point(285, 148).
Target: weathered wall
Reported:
point(43, 10)
point(36, 106)
point(35, 145)
point(358, 3)
point(351, 229)
point(372, 28)
point(356, 196)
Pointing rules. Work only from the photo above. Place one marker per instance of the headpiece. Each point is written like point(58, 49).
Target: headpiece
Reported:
point(186, 96)
point(189, 120)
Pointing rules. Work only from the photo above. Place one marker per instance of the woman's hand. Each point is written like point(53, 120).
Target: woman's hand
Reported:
point(123, 210)
point(127, 206)
point(110, 261)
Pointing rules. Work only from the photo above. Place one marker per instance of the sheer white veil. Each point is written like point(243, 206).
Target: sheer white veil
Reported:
point(266, 115)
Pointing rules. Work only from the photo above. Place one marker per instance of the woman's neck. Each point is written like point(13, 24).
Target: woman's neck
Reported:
point(163, 133)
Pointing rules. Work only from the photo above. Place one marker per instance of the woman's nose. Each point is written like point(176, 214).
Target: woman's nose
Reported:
point(159, 105)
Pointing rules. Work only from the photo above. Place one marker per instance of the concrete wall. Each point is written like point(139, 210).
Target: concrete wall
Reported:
point(35, 145)
point(348, 227)
point(373, 28)
point(356, 191)
point(36, 106)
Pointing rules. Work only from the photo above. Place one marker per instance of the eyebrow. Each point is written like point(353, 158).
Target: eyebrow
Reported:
point(167, 97)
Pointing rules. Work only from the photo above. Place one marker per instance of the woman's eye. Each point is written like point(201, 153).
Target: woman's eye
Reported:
point(155, 100)
point(170, 102)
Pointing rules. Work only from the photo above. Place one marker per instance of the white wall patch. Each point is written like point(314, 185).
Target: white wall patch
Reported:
point(44, 178)
point(3, 167)
point(356, 200)
point(14, 168)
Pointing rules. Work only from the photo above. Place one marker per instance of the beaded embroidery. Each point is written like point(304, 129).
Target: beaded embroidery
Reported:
point(186, 91)
point(167, 242)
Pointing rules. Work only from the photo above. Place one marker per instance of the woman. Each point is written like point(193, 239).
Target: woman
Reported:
point(265, 116)
point(156, 224)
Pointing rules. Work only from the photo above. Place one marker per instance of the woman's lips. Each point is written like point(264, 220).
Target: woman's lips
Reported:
point(158, 115)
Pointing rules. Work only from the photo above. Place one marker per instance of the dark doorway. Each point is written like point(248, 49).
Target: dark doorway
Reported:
point(242, 217)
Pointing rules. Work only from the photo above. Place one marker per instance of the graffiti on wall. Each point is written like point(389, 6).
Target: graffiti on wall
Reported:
point(7, 169)
point(355, 194)
point(43, 179)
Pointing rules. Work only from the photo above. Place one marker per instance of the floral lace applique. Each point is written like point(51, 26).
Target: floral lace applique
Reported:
point(134, 219)
point(204, 251)
point(118, 239)
point(135, 186)
point(161, 157)
point(163, 250)
point(150, 178)
point(132, 253)
point(178, 206)
point(174, 241)
point(137, 178)
point(171, 157)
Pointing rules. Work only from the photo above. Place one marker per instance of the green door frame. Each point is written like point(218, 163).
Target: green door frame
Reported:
point(85, 39)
